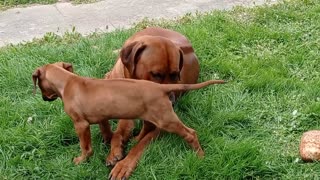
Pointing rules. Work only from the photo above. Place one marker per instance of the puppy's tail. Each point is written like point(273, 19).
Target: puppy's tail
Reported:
point(185, 87)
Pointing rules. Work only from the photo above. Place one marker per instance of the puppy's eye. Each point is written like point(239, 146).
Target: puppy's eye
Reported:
point(157, 76)
point(174, 76)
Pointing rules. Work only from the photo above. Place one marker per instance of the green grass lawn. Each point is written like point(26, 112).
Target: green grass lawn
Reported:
point(249, 128)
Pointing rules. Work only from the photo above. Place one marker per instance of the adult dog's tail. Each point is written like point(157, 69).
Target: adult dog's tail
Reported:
point(185, 87)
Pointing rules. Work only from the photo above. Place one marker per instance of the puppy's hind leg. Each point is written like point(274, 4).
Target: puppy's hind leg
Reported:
point(171, 123)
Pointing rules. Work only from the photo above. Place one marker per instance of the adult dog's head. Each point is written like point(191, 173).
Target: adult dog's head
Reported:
point(48, 91)
point(152, 58)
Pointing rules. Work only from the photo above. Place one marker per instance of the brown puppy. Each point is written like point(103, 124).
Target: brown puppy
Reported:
point(155, 54)
point(92, 101)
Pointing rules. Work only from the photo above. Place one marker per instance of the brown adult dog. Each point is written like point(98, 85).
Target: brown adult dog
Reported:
point(92, 101)
point(155, 54)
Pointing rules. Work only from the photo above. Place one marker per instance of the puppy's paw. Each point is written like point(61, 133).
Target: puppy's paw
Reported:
point(78, 160)
point(200, 153)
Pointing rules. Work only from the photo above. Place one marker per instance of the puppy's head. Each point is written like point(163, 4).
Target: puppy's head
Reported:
point(153, 58)
point(49, 92)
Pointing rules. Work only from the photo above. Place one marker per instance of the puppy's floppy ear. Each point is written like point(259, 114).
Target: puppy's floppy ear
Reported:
point(68, 67)
point(35, 76)
point(181, 61)
point(130, 55)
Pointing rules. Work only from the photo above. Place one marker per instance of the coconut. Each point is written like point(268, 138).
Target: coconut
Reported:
point(310, 146)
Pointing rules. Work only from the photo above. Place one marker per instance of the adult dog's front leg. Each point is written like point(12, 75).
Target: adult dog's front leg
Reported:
point(146, 128)
point(83, 130)
point(124, 168)
point(119, 138)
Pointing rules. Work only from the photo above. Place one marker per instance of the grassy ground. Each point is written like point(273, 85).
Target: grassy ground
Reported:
point(249, 128)
point(5, 4)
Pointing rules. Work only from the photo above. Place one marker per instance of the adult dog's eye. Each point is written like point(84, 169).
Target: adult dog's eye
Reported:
point(157, 76)
point(174, 76)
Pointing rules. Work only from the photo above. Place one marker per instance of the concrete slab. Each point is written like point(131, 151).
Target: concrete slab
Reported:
point(24, 24)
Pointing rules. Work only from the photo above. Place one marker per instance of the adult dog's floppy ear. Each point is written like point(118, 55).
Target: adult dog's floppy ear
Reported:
point(35, 76)
point(180, 61)
point(130, 55)
point(68, 67)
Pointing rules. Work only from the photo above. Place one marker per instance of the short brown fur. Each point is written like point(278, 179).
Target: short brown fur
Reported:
point(155, 54)
point(95, 101)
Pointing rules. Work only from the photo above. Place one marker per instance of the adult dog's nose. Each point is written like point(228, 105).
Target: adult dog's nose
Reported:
point(172, 97)
point(47, 99)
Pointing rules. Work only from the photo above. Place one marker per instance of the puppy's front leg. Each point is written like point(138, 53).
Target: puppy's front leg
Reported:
point(83, 130)
point(106, 131)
